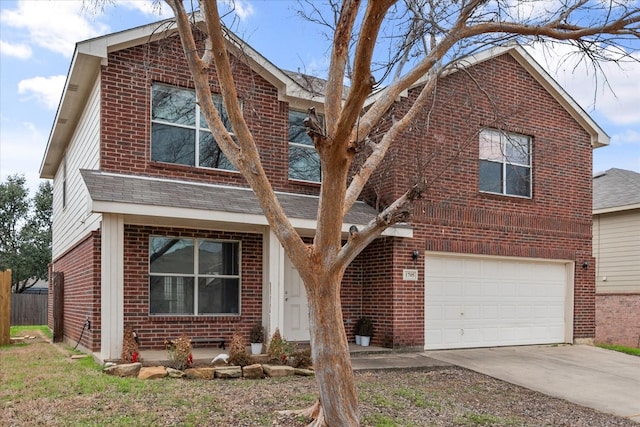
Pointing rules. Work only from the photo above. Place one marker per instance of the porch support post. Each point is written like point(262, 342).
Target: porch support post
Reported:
point(112, 286)
point(273, 291)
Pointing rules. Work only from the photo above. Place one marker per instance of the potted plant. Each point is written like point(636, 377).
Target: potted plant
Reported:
point(366, 331)
point(256, 337)
point(356, 331)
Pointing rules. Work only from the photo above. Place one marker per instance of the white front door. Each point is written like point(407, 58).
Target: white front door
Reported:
point(296, 308)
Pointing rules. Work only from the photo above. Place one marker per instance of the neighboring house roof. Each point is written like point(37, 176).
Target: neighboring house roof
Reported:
point(616, 190)
point(143, 196)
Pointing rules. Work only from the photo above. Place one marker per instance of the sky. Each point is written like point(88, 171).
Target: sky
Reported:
point(37, 40)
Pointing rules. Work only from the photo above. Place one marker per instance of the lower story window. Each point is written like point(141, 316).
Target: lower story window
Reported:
point(193, 276)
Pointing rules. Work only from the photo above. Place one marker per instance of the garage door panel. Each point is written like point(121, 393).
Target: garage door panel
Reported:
point(434, 314)
point(452, 312)
point(475, 288)
point(452, 288)
point(508, 290)
point(525, 311)
point(508, 312)
point(490, 312)
point(434, 335)
point(452, 337)
point(475, 302)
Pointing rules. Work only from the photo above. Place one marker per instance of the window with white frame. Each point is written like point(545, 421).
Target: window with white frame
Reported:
point(179, 132)
point(193, 276)
point(505, 163)
point(304, 161)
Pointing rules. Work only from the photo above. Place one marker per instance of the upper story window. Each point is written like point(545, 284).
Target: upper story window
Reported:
point(179, 132)
point(194, 276)
point(505, 163)
point(304, 161)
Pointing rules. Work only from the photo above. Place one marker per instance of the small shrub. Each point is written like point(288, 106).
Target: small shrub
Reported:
point(180, 352)
point(238, 351)
point(279, 348)
point(130, 350)
point(256, 334)
point(366, 327)
point(356, 326)
point(302, 358)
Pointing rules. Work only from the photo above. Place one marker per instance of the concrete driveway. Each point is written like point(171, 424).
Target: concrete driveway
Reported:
point(605, 380)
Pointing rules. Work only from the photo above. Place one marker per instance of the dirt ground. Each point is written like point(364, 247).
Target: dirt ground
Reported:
point(40, 385)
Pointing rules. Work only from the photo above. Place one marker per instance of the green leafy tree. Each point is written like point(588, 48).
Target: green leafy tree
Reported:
point(25, 232)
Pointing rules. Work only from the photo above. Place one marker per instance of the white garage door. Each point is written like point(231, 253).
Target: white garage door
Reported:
point(488, 301)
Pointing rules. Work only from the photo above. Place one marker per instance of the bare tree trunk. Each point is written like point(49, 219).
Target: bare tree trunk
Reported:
point(330, 353)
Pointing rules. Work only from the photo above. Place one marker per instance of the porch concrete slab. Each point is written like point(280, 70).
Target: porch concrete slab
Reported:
point(207, 354)
point(605, 380)
point(200, 354)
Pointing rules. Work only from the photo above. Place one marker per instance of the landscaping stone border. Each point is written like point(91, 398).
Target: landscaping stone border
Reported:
point(254, 371)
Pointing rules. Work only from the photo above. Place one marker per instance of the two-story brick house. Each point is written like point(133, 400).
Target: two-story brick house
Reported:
point(152, 227)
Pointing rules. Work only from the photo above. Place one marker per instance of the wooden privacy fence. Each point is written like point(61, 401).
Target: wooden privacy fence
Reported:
point(29, 309)
point(5, 306)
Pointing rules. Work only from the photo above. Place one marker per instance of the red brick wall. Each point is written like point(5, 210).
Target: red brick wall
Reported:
point(453, 216)
point(126, 121)
point(378, 290)
point(441, 146)
point(152, 330)
point(81, 268)
point(618, 319)
point(351, 296)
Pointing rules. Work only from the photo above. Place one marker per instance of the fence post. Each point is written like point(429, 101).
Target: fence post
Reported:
point(58, 306)
point(5, 306)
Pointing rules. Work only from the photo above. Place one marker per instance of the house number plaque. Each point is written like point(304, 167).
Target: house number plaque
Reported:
point(411, 275)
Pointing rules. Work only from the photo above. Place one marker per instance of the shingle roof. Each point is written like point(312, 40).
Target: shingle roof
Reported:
point(111, 187)
point(616, 188)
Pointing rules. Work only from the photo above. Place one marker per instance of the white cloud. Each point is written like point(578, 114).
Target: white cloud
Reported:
point(17, 50)
point(627, 137)
point(242, 8)
point(620, 102)
point(21, 152)
point(613, 90)
point(157, 10)
point(53, 25)
point(46, 90)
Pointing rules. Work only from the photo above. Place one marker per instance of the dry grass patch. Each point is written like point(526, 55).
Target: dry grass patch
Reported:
point(41, 386)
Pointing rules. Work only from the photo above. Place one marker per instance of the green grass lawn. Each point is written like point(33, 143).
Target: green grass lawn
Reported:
point(18, 330)
point(628, 350)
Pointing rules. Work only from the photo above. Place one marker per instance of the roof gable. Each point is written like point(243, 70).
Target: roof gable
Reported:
point(90, 55)
point(599, 137)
